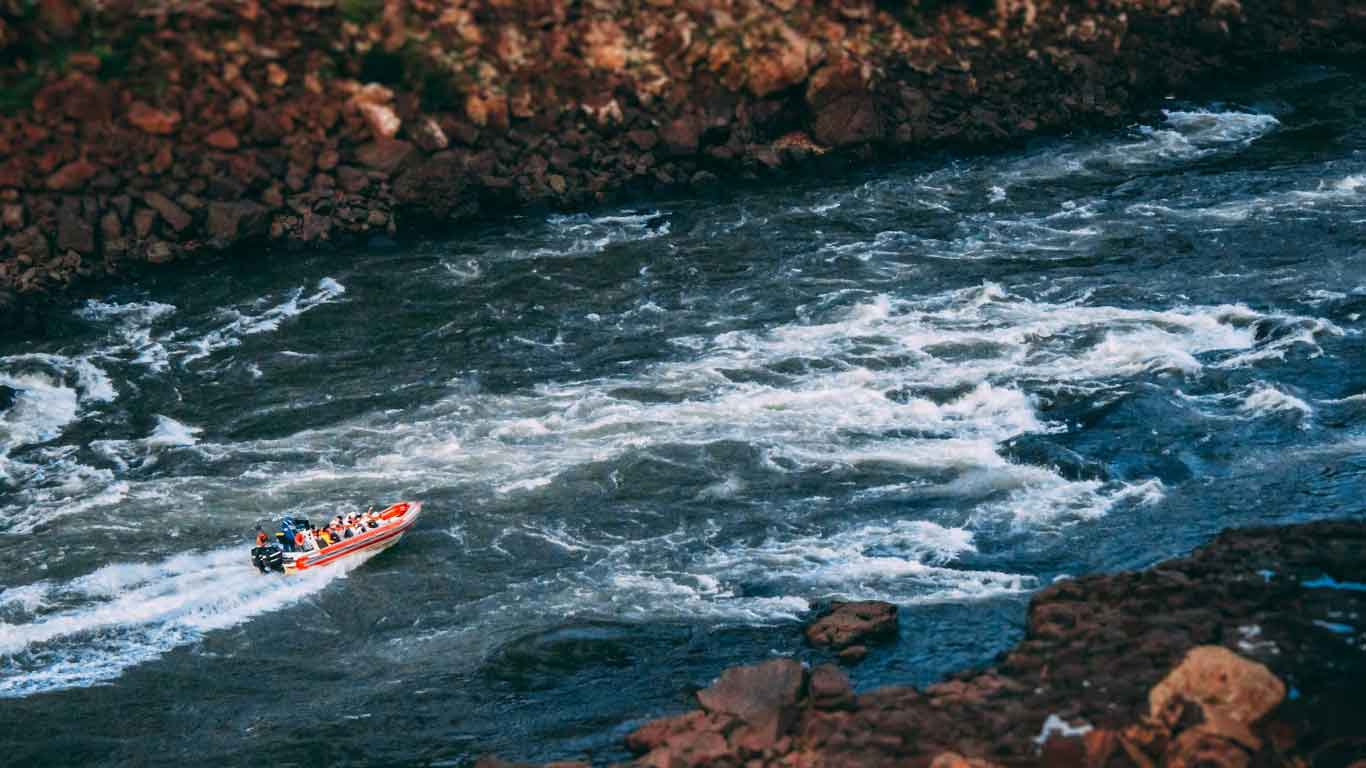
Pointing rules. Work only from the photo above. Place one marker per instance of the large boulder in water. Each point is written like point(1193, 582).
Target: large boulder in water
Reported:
point(853, 624)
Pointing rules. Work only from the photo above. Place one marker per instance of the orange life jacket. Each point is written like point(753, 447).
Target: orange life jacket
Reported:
point(261, 539)
point(299, 538)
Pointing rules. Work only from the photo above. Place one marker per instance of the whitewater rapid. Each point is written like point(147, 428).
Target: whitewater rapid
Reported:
point(709, 438)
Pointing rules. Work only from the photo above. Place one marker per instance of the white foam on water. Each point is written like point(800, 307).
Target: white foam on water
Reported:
point(1266, 399)
point(247, 324)
point(904, 561)
point(135, 612)
point(132, 330)
point(581, 234)
point(169, 432)
point(1183, 137)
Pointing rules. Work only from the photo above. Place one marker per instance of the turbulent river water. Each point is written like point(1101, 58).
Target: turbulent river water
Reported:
point(652, 440)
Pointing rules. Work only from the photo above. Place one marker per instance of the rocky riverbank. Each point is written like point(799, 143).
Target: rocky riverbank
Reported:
point(1250, 651)
point(145, 132)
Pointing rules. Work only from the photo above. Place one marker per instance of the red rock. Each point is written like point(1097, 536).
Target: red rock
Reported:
point(843, 105)
point(682, 136)
point(772, 71)
point(1223, 683)
point(12, 216)
point(853, 623)
point(151, 120)
point(72, 176)
point(829, 688)
point(764, 696)
point(381, 118)
point(223, 139)
point(656, 733)
point(384, 155)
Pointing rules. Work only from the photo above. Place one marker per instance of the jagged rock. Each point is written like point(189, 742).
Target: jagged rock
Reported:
point(151, 120)
point(850, 624)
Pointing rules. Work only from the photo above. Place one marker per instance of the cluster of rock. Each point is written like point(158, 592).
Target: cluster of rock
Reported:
point(1236, 656)
point(135, 131)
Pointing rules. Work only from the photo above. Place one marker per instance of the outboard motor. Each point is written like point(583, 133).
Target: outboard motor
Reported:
point(268, 558)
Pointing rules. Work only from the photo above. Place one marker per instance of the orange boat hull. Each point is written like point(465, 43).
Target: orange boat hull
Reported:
point(395, 521)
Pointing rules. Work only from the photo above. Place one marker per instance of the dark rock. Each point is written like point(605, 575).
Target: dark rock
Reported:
point(228, 221)
point(853, 623)
point(682, 136)
point(437, 189)
point(385, 155)
point(75, 230)
point(173, 214)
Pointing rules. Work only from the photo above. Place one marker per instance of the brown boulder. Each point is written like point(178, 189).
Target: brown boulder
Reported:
point(428, 136)
point(773, 70)
point(843, 106)
point(227, 221)
point(829, 688)
point(763, 695)
point(383, 121)
point(1224, 684)
point(223, 139)
point(385, 155)
point(72, 176)
point(682, 136)
point(151, 120)
point(437, 189)
point(850, 624)
point(75, 230)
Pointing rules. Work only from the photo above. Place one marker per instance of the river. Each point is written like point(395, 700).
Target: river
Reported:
point(650, 440)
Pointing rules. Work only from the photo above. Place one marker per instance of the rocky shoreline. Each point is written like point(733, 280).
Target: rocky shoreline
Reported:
point(147, 132)
point(1251, 651)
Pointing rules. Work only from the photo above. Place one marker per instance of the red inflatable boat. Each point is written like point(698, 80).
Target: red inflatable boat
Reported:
point(394, 521)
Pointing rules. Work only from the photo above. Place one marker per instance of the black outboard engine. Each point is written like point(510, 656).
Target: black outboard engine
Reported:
point(268, 558)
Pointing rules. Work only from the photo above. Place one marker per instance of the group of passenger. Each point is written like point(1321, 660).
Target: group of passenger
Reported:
point(311, 539)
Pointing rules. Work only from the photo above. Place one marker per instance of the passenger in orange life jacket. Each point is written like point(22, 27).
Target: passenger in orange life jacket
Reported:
point(261, 537)
point(299, 540)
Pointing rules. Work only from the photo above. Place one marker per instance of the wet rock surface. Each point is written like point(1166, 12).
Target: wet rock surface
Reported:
point(166, 129)
point(1248, 652)
point(850, 626)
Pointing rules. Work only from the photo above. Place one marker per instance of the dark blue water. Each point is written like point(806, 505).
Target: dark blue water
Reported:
point(651, 440)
